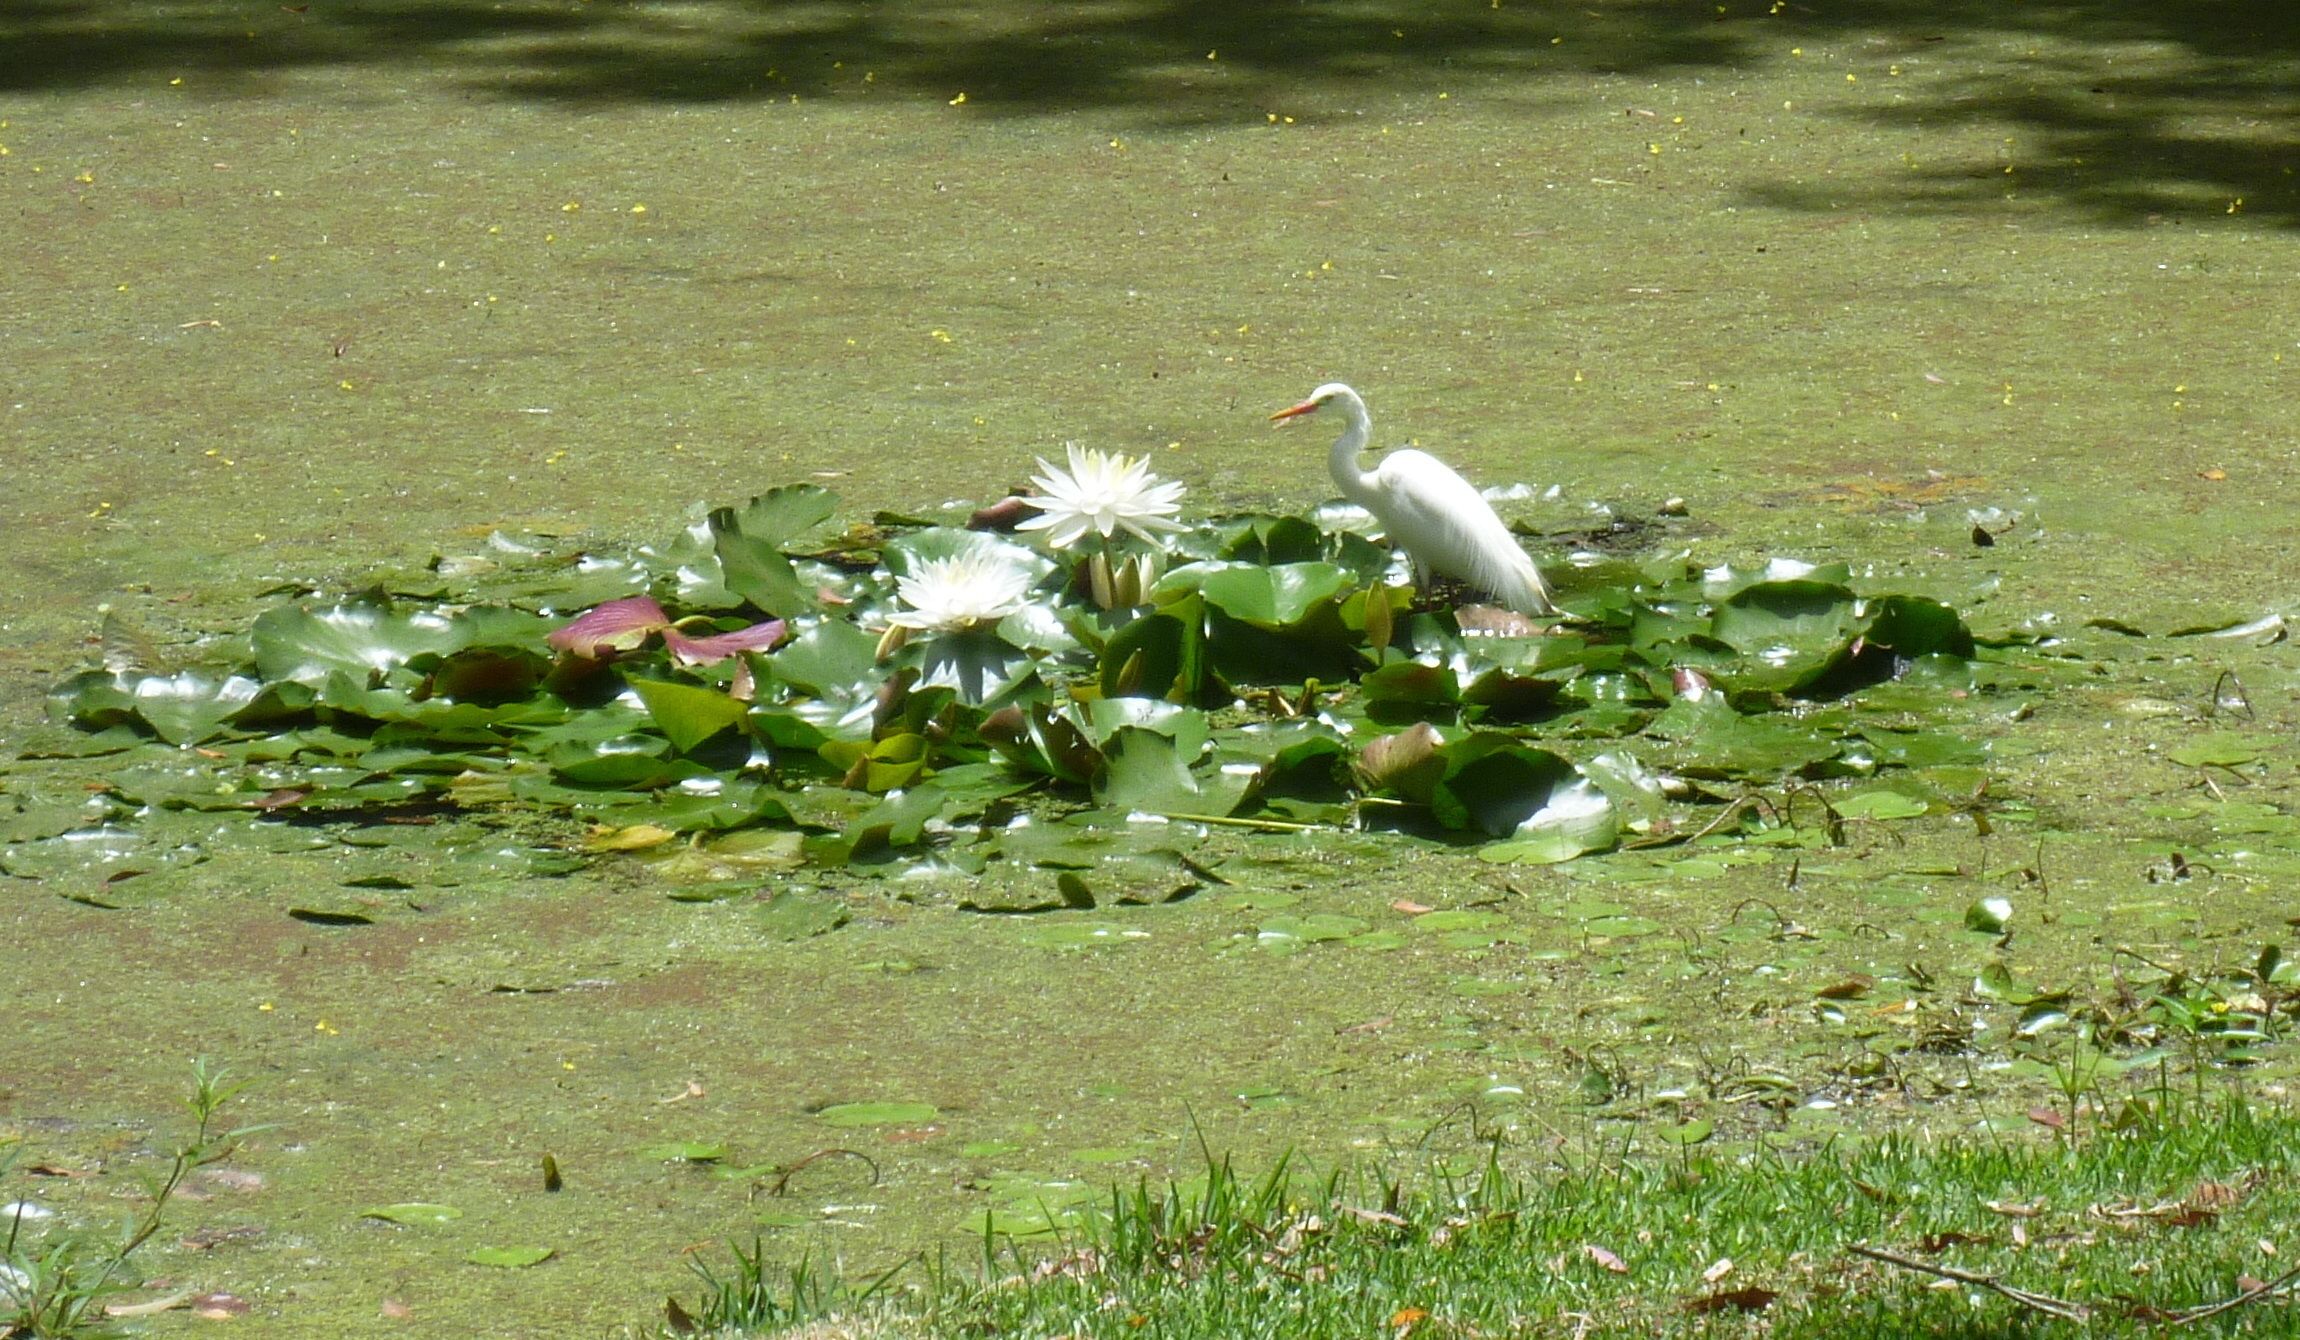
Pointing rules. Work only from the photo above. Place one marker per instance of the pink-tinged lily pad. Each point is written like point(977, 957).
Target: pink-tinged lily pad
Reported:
point(719, 646)
point(618, 625)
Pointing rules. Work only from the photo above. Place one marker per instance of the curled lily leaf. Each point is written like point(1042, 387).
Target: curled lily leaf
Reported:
point(618, 625)
point(625, 625)
point(1406, 763)
point(719, 646)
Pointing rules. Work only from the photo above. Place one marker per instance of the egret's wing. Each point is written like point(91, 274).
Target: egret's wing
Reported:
point(1439, 518)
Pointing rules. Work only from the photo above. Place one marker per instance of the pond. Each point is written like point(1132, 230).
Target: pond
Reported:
point(419, 297)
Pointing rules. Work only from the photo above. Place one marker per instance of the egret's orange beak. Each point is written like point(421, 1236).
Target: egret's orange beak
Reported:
point(1294, 411)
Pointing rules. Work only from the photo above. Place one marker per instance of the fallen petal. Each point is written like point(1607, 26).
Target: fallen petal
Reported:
point(1604, 1258)
point(219, 1306)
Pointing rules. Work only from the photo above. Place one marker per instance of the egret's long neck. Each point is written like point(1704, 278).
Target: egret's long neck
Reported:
point(1342, 462)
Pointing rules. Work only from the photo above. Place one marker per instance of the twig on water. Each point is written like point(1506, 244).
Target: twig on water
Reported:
point(1233, 821)
point(2045, 1303)
point(2280, 1284)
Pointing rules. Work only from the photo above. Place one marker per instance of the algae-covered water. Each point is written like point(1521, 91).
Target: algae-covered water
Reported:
point(314, 296)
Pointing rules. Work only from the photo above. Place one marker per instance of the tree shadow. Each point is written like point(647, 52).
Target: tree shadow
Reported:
point(2127, 113)
point(2131, 108)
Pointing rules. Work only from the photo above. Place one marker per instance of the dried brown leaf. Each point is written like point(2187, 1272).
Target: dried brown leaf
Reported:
point(1005, 514)
point(1748, 1298)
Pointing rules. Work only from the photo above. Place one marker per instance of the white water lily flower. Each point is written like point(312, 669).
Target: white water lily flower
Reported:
point(1102, 492)
point(947, 595)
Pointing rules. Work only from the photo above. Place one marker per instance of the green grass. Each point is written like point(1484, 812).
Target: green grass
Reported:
point(57, 1285)
point(2175, 1211)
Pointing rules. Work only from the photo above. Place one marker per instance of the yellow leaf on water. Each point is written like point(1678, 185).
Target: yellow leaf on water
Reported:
point(636, 837)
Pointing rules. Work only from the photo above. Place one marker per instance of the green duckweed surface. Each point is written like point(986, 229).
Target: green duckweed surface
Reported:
point(314, 297)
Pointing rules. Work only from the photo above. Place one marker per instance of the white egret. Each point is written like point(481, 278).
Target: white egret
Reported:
point(1432, 513)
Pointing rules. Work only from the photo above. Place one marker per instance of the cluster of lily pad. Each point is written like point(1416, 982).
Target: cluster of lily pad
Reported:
point(915, 694)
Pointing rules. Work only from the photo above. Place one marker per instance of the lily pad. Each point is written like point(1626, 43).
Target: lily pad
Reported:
point(1881, 805)
point(1791, 633)
point(1496, 785)
point(1272, 597)
point(332, 916)
point(1147, 771)
point(1577, 818)
point(366, 637)
point(1989, 915)
point(1720, 742)
point(688, 714)
point(2216, 751)
point(510, 1258)
point(983, 667)
point(685, 1151)
point(414, 1214)
point(790, 915)
point(748, 544)
point(1160, 655)
point(1286, 934)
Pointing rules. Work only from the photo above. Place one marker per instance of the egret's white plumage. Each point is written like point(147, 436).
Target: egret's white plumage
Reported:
point(1429, 511)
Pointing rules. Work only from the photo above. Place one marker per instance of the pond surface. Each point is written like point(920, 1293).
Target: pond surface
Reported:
point(311, 299)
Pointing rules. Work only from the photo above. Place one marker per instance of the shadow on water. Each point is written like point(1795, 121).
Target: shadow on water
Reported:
point(2129, 107)
point(2126, 111)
